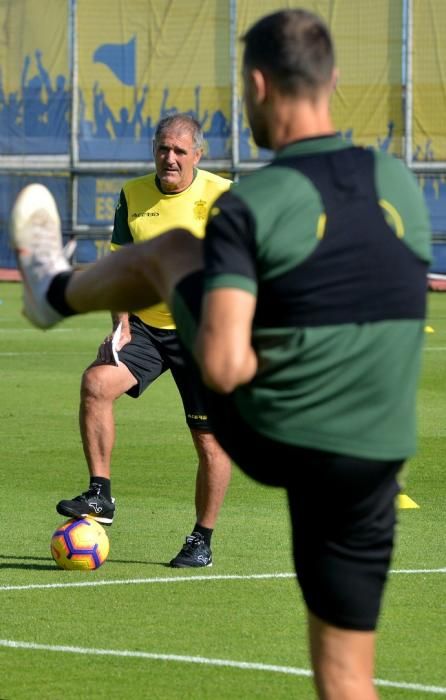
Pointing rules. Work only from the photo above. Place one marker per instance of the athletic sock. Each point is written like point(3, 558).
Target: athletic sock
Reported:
point(56, 293)
point(104, 485)
point(205, 531)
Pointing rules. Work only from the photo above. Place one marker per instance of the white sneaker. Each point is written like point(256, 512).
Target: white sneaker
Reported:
point(37, 242)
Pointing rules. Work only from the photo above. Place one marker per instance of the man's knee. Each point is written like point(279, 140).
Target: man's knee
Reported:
point(101, 383)
point(342, 660)
point(208, 449)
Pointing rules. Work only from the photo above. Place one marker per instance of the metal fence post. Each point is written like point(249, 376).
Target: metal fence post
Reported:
point(74, 136)
point(407, 77)
point(235, 150)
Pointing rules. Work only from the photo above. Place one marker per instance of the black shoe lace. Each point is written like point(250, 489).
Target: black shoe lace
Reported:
point(192, 542)
point(90, 493)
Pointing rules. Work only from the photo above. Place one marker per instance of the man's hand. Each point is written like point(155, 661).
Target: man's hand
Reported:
point(112, 344)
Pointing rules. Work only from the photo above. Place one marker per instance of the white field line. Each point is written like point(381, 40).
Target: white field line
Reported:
point(40, 353)
point(418, 571)
point(202, 660)
point(183, 579)
point(136, 581)
point(30, 329)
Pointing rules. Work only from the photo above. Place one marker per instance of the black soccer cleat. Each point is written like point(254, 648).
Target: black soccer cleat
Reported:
point(90, 504)
point(195, 553)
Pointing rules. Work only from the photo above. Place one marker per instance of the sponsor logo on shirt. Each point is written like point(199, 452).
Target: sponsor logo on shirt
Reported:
point(138, 214)
point(197, 416)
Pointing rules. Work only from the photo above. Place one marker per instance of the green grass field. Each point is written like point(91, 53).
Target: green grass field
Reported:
point(138, 629)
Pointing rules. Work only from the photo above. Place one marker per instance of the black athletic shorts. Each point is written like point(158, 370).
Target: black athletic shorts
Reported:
point(342, 508)
point(149, 354)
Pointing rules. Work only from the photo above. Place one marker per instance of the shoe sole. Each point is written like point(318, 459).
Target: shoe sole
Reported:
point(191, 566)
point(30, 200)
point(81, 516)
point(34, 200)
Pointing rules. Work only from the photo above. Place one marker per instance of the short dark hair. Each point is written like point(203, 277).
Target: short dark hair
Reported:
point(294, 47)
point(183, 122)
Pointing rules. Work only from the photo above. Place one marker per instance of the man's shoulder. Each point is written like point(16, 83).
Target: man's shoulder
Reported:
point(269, 181)
point(141, 181)
point(394, 174)
point(223, 183)
point(390, 162)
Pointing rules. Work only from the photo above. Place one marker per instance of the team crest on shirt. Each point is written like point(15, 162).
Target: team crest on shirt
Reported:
point(200, 209)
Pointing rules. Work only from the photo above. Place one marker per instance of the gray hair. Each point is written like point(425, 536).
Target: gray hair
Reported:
point(181, 122)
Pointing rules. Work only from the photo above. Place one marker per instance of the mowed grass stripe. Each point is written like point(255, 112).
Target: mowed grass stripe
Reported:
point(185, 579)
point(202, 660)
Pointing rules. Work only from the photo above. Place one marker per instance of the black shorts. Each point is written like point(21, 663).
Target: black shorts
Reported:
point(149, 354)
point(342, 508)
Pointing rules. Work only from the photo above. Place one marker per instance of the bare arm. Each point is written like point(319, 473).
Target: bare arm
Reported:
point(123, 318)
point(105, 354)
point(223, 347)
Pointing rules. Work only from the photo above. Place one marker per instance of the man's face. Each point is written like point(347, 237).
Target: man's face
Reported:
point(254, 111)
point(175, 159)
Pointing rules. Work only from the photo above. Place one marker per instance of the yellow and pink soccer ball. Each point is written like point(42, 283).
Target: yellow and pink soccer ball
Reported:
point(80, 545)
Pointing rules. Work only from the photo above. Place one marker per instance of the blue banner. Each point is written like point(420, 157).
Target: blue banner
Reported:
point(10, 186)
point(97, 199)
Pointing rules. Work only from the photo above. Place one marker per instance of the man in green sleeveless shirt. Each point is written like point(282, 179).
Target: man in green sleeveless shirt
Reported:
point(303, 310)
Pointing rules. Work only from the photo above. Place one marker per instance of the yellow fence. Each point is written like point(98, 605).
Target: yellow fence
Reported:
point(127, 63)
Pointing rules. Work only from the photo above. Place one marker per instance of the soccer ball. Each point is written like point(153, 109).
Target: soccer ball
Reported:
point(80, 544)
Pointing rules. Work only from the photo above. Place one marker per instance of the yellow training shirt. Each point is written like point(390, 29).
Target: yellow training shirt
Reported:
point(144, 212)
